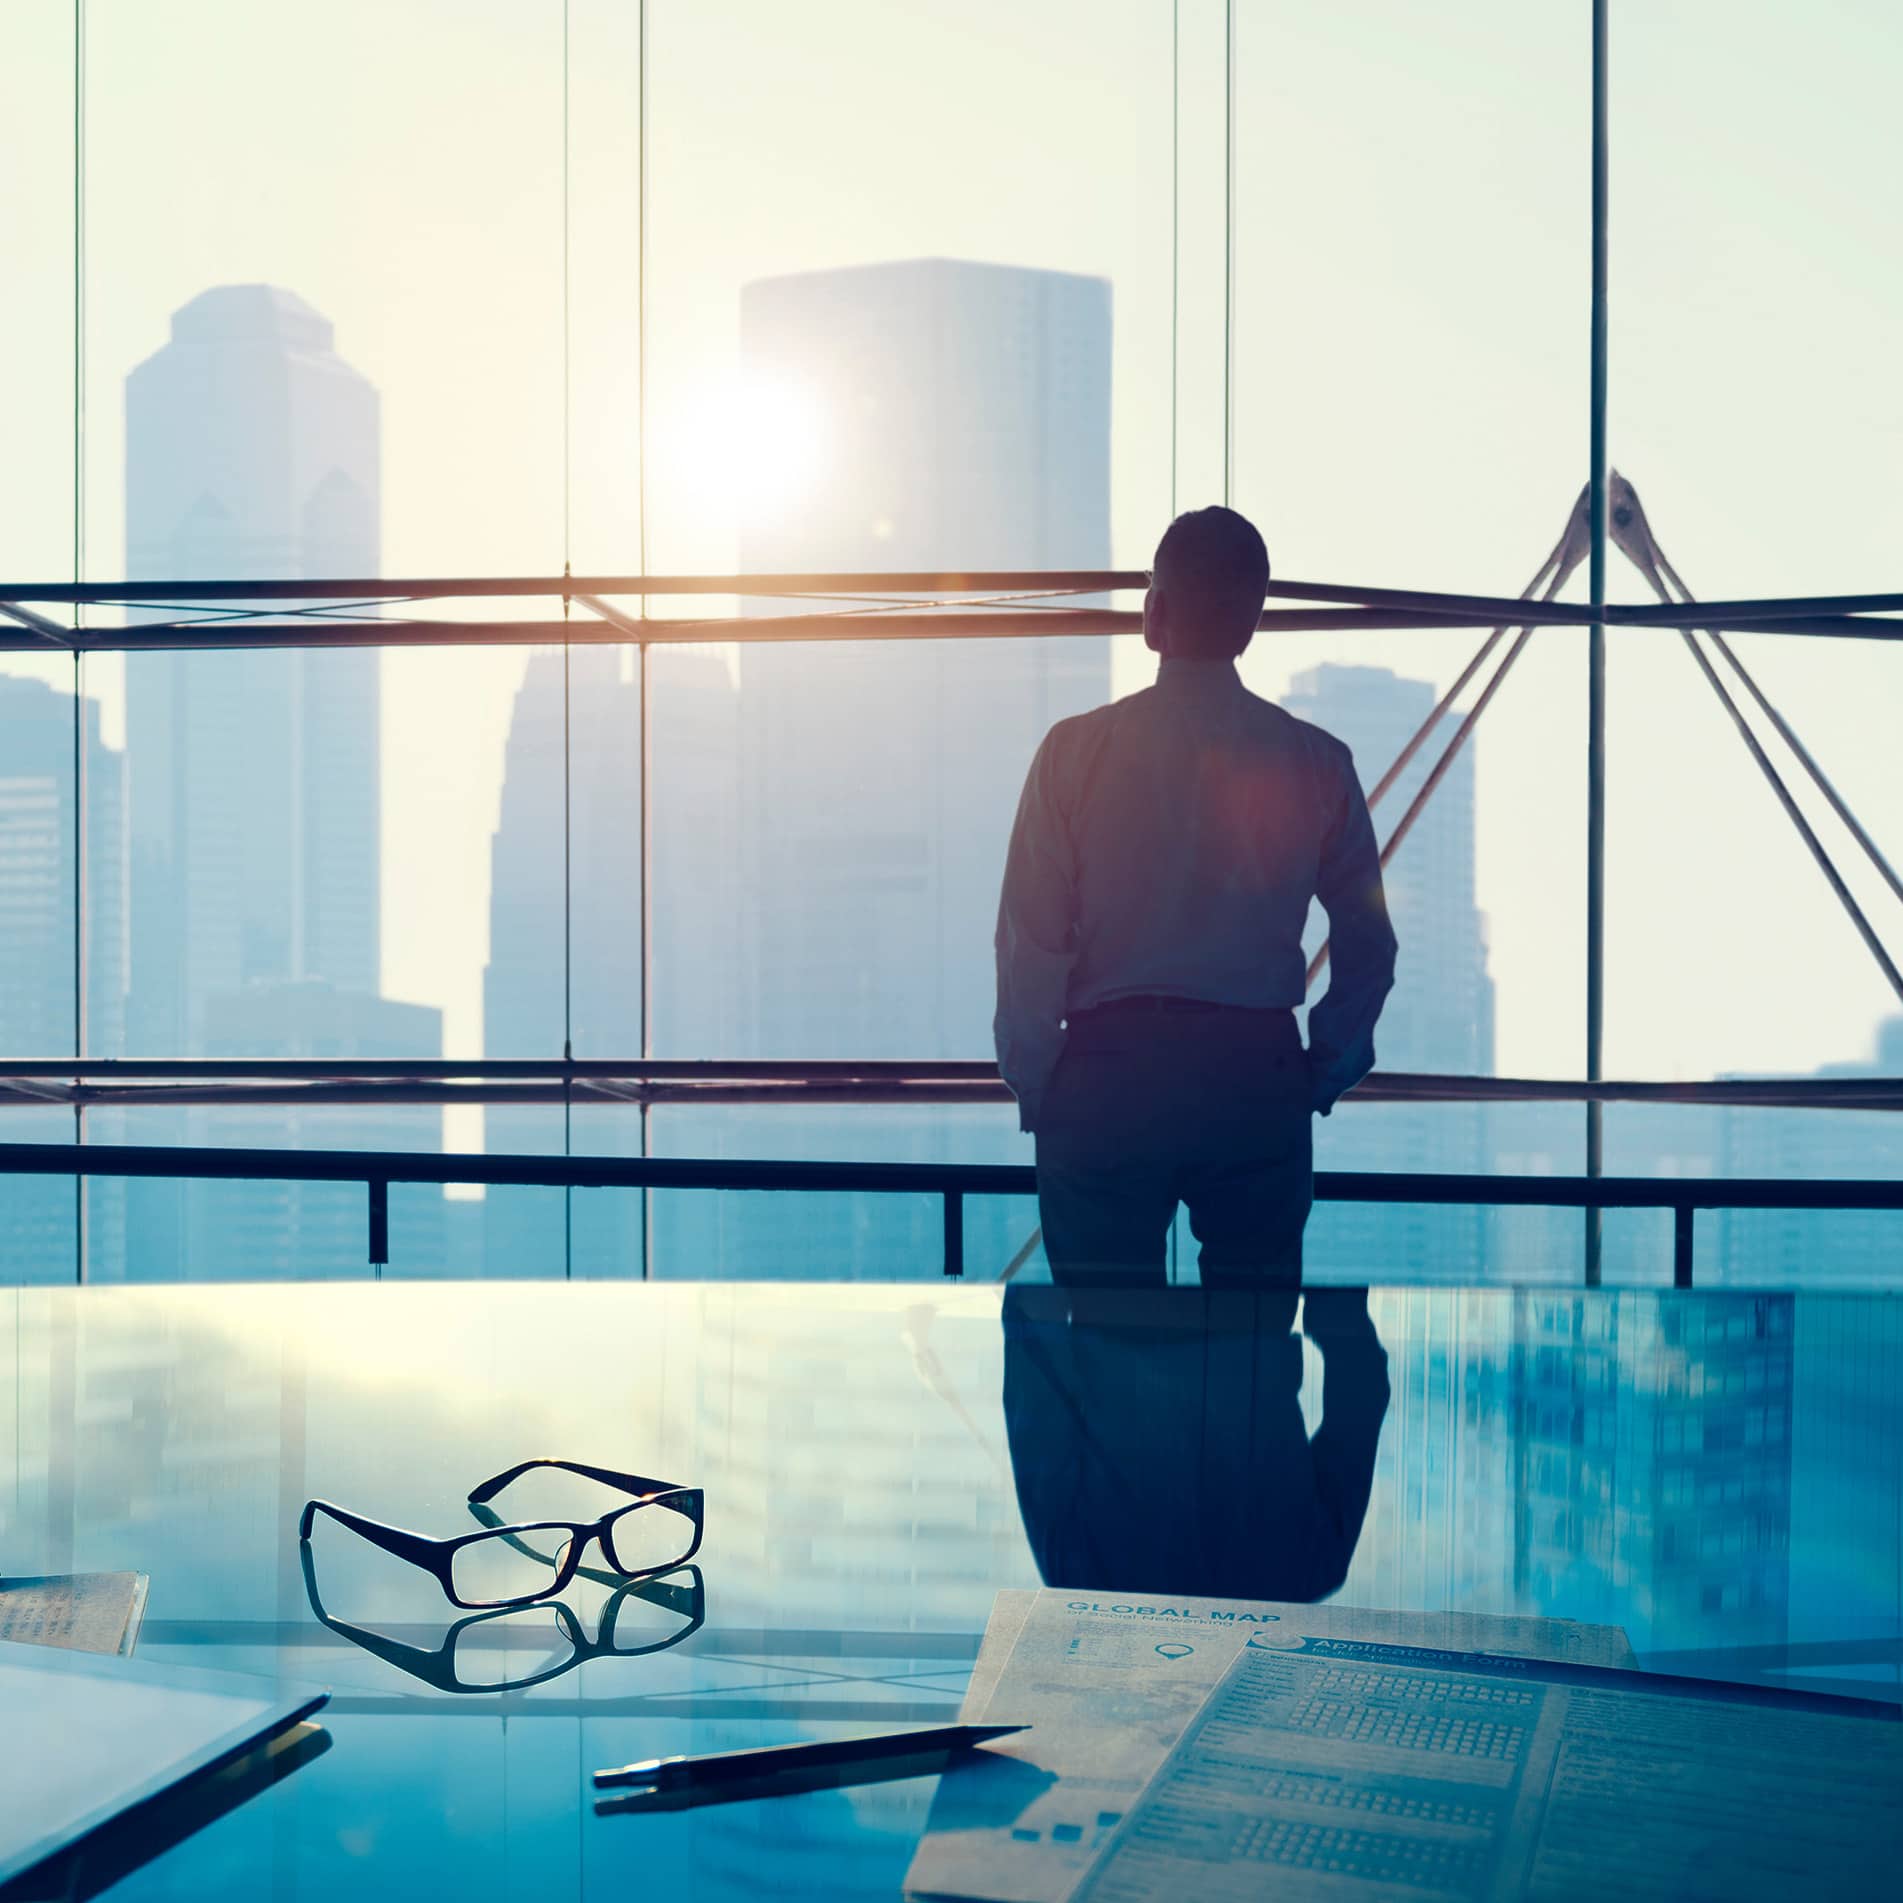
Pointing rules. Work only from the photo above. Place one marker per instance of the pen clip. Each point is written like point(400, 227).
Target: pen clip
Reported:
point(642, 1771)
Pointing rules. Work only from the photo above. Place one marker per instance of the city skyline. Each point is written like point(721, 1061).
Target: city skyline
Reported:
point(706, 1038)
point(1391, 423)
point(235, 481)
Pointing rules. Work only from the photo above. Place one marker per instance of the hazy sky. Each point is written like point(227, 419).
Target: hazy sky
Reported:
point(1409, 364)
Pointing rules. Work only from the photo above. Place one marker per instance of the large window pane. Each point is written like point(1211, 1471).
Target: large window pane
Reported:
point(1756, 407)
point(342, 356)
point(208, 1229)
point(38, 869)
point(892, 325)
point(37, 391)
point(1409, 410)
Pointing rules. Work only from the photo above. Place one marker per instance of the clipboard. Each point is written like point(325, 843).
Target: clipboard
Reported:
point(109, 1735)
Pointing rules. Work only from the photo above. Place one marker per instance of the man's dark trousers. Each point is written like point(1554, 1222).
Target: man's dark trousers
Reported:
point(1156, 1102)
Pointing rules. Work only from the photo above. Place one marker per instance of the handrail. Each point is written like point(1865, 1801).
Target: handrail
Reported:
point(953, 1182)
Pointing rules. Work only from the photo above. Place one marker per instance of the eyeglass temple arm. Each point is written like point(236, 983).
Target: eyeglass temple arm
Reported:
point(393, 1539)
point(628, 1483)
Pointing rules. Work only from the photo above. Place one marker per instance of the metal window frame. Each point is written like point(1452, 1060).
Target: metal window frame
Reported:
point(230, 613)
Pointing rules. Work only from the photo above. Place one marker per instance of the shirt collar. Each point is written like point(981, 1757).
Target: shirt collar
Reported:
point(1192, 674)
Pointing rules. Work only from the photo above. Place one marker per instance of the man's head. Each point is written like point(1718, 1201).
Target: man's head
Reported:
point(1207, 586)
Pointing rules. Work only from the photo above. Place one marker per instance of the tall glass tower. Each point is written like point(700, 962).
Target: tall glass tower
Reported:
point(829, 820)
point(959, 417)
point(252, 450)
point(1439, 1016)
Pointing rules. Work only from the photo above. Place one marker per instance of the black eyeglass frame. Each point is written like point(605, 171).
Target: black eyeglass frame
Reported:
point(686, 1597)
point(438, 1557)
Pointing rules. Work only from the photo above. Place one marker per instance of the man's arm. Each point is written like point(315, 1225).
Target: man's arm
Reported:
point(1037, 915)
point(1360, 944)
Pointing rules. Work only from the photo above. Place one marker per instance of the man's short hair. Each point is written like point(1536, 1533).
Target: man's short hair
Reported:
point(1213, 569)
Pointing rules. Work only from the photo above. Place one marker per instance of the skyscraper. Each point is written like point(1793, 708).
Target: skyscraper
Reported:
point(551, 981)
point(534, 947)
point(252, 450)
point(38, 885)
point(1439, 1016)
point(829, 821)
point(960, 419)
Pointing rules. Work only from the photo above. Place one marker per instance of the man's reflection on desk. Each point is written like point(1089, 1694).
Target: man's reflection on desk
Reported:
point(1158, 1443)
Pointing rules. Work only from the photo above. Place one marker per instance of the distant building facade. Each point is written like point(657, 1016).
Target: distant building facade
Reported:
point(1440, 1014)
point(252, 449)
point(1778, 1247)
point(963, 411)
point(596, 967)
point(829, 820)
point(39, 877)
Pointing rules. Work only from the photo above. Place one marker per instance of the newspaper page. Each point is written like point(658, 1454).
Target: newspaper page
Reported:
point(1107, 1683)
point(1341, 1770)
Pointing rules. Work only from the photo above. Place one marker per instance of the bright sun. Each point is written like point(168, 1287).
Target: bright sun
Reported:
point(751, 443)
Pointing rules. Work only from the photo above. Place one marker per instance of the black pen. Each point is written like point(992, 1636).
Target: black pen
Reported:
point(679, 1783)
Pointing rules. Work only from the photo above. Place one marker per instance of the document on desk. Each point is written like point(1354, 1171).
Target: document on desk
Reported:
point(1108, 1683)
point(79, 1612)
point(1346, 1770)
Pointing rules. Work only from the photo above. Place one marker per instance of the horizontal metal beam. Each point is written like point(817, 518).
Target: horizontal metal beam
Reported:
point(445, 587)
point(1055, 583)
point(938, 1179)
point(382, 588)
point(27, 1082)
point(515, 1068)
point(995, 624)
point(1746, 614)
point(217, 635)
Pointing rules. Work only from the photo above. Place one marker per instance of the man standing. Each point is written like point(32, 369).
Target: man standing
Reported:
point(1149, 944)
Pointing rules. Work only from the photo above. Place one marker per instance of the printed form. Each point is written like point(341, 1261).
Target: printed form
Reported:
point(1108, 1684)
point(1343, 1770)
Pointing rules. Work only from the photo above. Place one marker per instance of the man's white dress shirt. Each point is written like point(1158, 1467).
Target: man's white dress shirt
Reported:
point(1169, 844)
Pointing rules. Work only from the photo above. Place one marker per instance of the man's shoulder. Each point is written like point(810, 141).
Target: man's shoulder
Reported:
point(1095, 723)
point(1267, 718)
point(1274, 724)
point(1325, 748)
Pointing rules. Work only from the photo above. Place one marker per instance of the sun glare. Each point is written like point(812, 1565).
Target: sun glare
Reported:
point(755, 443)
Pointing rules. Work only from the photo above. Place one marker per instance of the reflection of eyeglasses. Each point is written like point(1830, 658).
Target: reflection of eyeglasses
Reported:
point(475, 1653)
point(496, 1568)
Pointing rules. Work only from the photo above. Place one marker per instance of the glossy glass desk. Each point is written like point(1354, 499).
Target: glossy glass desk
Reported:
point(1721, 1474)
